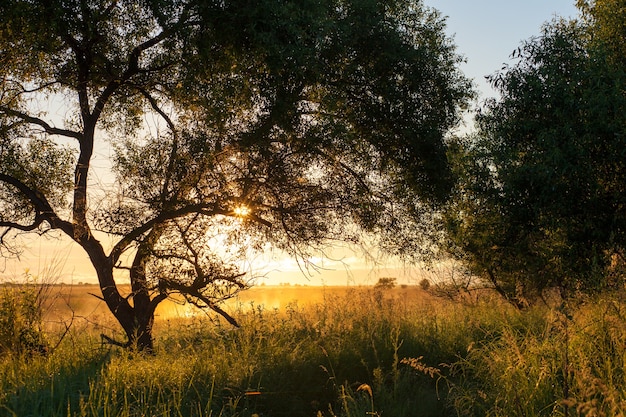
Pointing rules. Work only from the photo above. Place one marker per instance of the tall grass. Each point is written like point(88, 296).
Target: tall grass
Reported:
point(566, 361)
point(362, 353)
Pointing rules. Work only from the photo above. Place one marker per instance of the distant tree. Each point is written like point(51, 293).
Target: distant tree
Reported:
point(386, 283)
point(425, 284)
point(541, 201)
point(231, 125)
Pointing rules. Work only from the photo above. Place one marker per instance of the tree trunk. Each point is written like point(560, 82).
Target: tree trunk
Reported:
point(137, 319)
point(144, 307)
point(140, 334)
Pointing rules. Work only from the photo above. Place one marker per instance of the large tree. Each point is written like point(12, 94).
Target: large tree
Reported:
point(290, 124)
point(542, 200)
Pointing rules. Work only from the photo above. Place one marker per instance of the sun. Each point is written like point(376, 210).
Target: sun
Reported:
point(242, 211)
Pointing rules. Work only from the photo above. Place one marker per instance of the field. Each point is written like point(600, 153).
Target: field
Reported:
point(311, 351)
point(81, 300)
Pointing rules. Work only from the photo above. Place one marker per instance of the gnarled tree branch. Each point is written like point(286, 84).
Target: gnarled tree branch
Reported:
point(129, 238)
point(43, 209)
point(51, 130)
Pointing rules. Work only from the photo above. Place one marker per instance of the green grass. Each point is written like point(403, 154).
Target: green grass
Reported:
point(357, 353)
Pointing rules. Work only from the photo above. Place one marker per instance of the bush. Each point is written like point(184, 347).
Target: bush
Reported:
point(21, 318)
point(386, 283)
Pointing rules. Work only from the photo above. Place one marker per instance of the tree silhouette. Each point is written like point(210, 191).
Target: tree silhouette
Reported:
point(231, 122)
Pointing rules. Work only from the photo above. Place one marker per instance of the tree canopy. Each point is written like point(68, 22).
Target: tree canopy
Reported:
point(607, 21)
point(541, 201)
point(259, 123)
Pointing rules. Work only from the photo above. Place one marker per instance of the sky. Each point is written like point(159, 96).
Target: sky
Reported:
point(485, 32)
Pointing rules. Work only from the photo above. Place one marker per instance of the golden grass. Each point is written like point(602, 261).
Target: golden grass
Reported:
point(337, 351)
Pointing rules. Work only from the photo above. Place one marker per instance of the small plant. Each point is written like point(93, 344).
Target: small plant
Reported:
point(21, 317)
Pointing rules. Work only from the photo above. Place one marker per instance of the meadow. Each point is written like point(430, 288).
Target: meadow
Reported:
point(311, 351)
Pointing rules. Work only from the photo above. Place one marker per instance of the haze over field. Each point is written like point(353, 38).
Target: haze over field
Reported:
point(64, 301)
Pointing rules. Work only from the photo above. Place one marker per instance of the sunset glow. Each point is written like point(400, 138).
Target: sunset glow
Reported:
point(242, 211)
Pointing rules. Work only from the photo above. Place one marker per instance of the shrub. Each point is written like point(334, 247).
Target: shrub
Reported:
point(21, 318)
point(386, 283)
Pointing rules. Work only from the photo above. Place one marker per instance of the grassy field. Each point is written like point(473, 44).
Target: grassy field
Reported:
point(307, 351)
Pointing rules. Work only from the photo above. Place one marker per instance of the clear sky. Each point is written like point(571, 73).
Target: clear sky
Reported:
point(485, 32)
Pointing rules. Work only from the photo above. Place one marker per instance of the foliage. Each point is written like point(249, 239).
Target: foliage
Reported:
point(298, 124)
point(607, 19)
point(540, 203)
